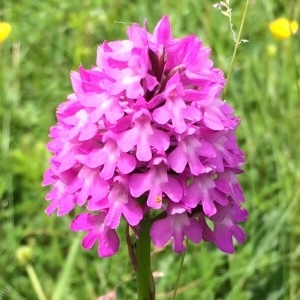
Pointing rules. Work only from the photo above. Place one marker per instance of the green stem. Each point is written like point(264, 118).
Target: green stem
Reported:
point(145, 288)
point(35, 282)
point(237, 43)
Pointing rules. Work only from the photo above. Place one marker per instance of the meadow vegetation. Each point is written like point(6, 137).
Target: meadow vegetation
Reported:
point(50, 38)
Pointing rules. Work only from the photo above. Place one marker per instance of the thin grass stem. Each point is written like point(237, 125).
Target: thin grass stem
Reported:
point(237, 43)
point(179, 274)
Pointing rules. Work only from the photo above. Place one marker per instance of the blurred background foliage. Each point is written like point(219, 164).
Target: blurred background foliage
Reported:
point(50, 38)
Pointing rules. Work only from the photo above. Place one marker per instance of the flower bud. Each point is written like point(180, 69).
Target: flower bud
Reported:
point(24, 255)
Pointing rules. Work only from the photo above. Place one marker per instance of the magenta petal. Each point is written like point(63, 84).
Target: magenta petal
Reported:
point(223, 239)
point(109, 244)
point(225, 227)
point(212, 120)
point(177, 159)
point(162, 31)
point(113, 217)
point(238, 214)
point(63, 205)
point(127, 140)
point(206, 149)
point(159, 140)
point(89, 240)
point(228, 183)
point(209, 207)
point(138, 184)
point(108, 170)
point(83, 195)
point(143, 152)
point(155, 197)
point(194, 231)
point(48, 178)
point(239, 234)
point(161, 232)
point(207, 233)
point(51, 208)
point(97, 231)
point(99, 189)
point(126, 163)
point(132, 211)
point(89, 132)
point(161, 115)
point(82, 222)
point(173, 189)
point(95, 158)
point(178, 244)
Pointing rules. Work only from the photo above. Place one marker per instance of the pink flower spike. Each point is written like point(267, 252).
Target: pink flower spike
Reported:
point(96, 232)
point(175, 226)
point(146, 130)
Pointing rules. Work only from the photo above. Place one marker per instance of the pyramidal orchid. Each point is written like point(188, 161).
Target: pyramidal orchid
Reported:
point(146, 137)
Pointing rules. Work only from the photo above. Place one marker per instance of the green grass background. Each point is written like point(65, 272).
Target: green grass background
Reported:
point(50, 38)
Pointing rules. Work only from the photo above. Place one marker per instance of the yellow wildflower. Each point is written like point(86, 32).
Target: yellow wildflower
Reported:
point(5, 29)
point(283, 28)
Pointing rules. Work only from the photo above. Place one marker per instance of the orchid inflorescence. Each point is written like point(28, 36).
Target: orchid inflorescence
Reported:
point(146, 132)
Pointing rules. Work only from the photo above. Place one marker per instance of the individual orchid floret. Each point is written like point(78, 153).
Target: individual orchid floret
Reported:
point(225, 226)
point(144, 137)
point(88, 184)
point(110, 157)
point(203, 191)
point(80, 126)
point(176, 226)
point(175, 108)
point(97, 231)
point(118, 203)
point(157, 182)
point(62, 201)
point(227, 183)
point(190, 152)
